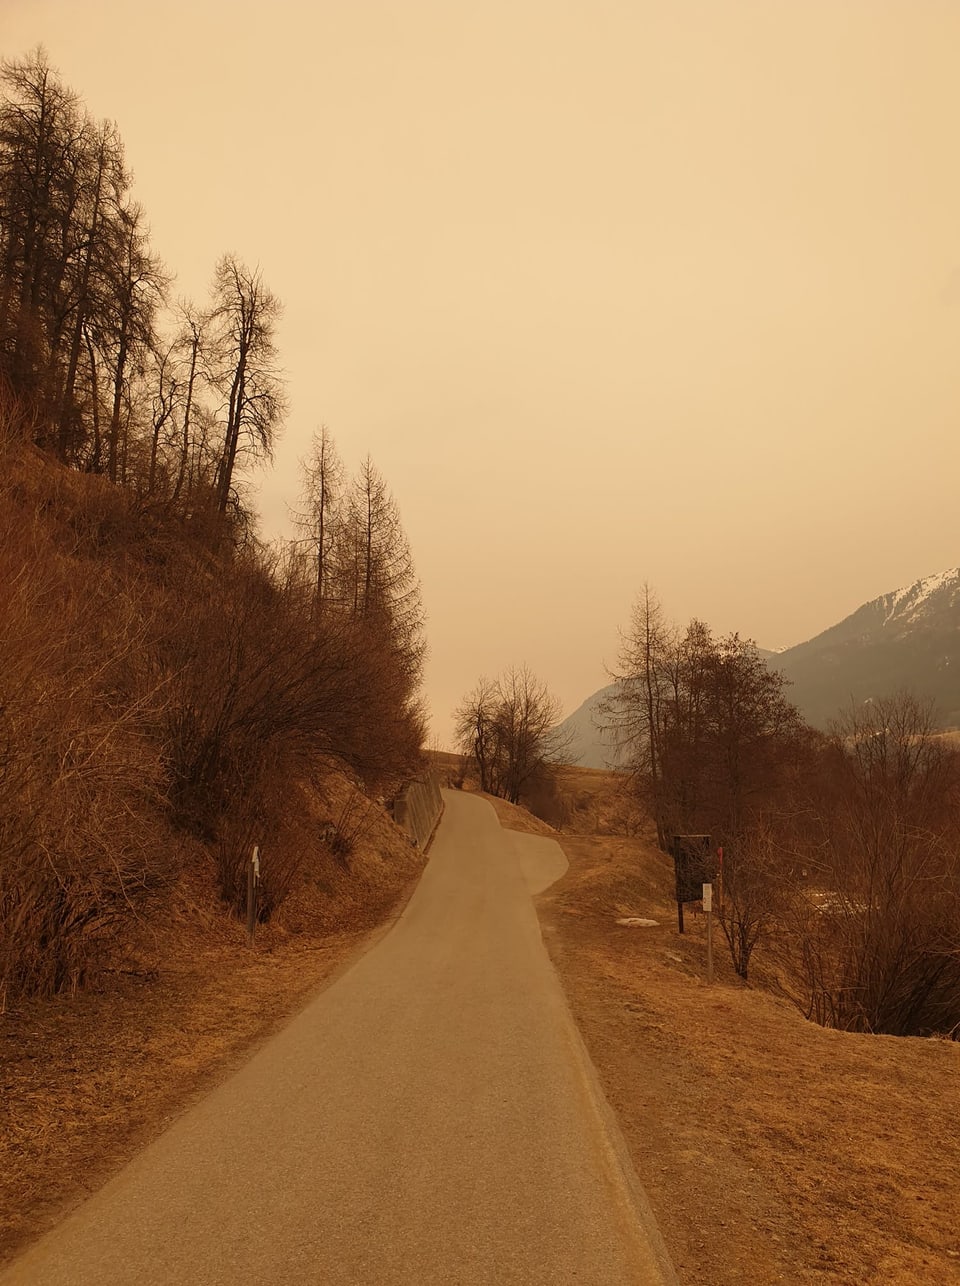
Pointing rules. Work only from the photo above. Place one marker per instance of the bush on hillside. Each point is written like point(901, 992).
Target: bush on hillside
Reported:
point(149, 685)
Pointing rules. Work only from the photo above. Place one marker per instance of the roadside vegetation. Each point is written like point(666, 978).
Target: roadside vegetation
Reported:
point(840, 852)
point(772, 1149)
point(172, 690)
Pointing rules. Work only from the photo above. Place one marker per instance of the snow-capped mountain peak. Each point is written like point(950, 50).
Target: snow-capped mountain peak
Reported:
point(912, 601)
point(907, 639)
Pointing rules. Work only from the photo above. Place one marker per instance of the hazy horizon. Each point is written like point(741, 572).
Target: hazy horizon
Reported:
point(611, 293)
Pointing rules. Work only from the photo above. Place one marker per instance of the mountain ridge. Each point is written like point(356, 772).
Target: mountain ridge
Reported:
point(906, 638)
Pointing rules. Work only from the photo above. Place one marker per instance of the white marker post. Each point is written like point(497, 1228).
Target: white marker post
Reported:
point(708, 908)
point(253, 881)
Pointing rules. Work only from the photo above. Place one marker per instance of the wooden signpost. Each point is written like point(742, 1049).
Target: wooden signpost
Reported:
point(708, 909)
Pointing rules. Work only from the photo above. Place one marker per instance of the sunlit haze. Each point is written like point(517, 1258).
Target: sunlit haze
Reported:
point(611, 292)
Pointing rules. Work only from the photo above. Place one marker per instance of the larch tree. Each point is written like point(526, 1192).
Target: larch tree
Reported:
point(104, 190)
point(41, 140)
point(634, 712)
point(243, 368)
point(189, 347)
point(381, 582)
point(321, 518)
point(139, 286)
point(703, 723)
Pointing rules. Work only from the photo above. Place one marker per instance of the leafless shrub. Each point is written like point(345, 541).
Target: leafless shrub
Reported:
point(754, 891)
point(18, 424)
point(874, 945)
point(249, 669)
point(352, 823)
point(270, 815)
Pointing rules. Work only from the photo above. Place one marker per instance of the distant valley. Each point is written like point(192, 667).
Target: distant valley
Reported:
point(908, 638)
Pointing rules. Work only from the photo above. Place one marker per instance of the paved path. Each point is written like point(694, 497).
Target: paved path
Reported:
point(428, 1119)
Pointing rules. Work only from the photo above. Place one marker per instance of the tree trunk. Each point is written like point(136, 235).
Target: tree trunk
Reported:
point(185, 451)
point(113, 443)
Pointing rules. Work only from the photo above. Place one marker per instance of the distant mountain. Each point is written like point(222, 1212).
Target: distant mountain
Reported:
point(588, 746)
point(909, 638)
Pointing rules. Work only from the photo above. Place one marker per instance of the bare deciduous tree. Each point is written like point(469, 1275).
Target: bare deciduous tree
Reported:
point(103, 192)
point(510, 726)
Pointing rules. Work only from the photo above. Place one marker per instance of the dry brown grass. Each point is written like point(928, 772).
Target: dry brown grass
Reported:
point(587, 801)
point(599, 802)
point(88, 1079)
point(515, 818)
point(772, 1150)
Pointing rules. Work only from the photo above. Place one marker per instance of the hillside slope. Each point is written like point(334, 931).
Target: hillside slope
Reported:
point(771, 1149)
point(127, 983)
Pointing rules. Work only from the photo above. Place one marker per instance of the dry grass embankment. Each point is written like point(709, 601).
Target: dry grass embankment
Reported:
point(772, 1150)
point(89, 1078)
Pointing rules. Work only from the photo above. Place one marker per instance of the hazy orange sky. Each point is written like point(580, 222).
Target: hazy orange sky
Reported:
point(610, 291)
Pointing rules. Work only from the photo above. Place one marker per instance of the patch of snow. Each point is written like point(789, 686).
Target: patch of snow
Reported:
point(637, 922)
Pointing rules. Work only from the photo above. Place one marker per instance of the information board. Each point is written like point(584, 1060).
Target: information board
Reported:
point(694, 866)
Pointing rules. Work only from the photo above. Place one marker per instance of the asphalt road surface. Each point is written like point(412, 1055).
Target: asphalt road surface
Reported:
point(431, 1117)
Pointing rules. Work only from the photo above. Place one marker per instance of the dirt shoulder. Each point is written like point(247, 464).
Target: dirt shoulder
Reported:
point(772, 1150)
point(87, 1080)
